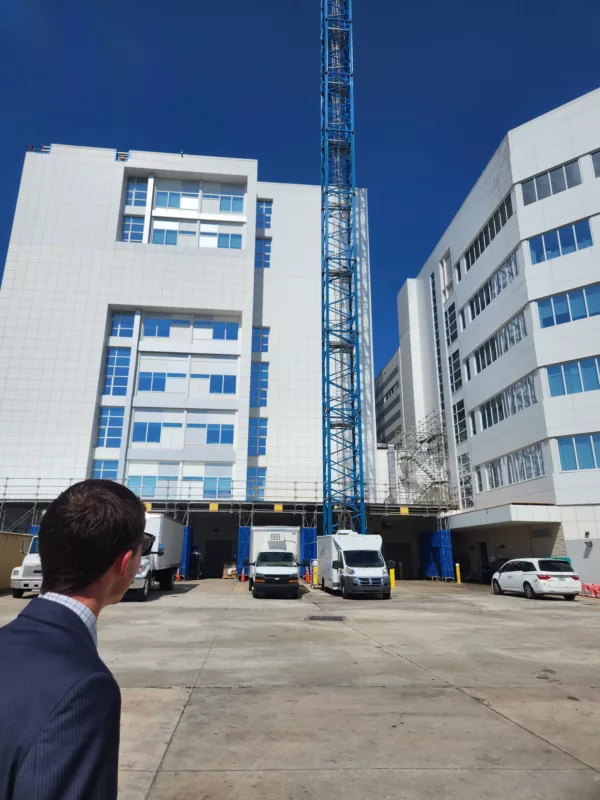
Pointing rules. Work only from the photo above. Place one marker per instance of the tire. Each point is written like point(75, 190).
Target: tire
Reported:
point(144, 592)
point(496, 588)
point(386, 595)
point(570, 596)
point(167, 581)
point(345, 592)
point(250, 585)
point(323, 587)
point(255, 593)
point(528, 591)
point(18, 593)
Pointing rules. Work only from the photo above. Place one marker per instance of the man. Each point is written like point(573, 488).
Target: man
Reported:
point(60, 707)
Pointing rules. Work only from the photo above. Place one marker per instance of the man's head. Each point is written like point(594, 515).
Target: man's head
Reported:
point(91, 536)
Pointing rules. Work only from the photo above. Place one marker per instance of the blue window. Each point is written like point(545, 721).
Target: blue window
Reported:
point(262, 254)
point(259, 385)
point(561, 241)
point(575, 305)
point(215, 488)
point(146, 432)
point(260, 340)
point(160, 236)
point(105, 469)
point(137, 191)
point(110, 427)
point(256, 481)
point(168, 199)
point(152, 381)
point(133, 229)
point(546, 313)
point(257, 436)
point(555, 380)
point(219, 434)
point(572, 377)
point(264, 212)
point(562, 312)
point(230, 241)
point(579, 452)
point(592, 296)
point(116, 371)
point(225, 330)
point(142, 485)
point(122, 325)
point(231, 203)
point(589, 374)
point(222, 384)
point(160, 327)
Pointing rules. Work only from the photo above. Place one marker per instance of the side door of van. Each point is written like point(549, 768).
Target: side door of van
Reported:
point(505, 576)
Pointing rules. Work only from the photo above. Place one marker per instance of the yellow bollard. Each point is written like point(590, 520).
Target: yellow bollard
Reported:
point(458, 580)
point(392, 578)
point(315, 575)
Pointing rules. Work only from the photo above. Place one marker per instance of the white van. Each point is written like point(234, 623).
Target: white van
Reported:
point(352, 563)
point(535, 577)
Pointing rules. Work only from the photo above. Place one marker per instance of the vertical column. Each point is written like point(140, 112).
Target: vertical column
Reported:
point(149, 205)
point(128, 399)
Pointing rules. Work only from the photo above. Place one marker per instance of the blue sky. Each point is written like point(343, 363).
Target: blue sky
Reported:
point(437, 86)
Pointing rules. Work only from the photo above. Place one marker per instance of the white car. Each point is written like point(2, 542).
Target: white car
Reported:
point(534, 577)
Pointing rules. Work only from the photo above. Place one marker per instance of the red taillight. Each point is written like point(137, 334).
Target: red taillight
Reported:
point(575, 577)
point(544, 577)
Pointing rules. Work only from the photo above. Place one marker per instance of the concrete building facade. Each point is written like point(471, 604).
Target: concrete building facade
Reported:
point(388, 406)
point(160, 324)
point(500, 332)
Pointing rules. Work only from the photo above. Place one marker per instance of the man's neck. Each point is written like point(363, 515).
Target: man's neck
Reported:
point(93, 603)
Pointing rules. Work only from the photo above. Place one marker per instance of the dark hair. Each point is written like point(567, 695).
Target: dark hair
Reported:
point(84, 530)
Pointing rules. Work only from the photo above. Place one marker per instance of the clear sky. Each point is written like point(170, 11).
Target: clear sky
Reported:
point(438, 84)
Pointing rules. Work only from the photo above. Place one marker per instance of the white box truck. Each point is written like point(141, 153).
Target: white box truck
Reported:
point(28, 576)
point(273, 564)
point(164, 560)
point(353, 564)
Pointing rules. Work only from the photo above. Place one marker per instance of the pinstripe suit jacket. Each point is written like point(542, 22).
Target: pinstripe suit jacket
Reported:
point(60, 710)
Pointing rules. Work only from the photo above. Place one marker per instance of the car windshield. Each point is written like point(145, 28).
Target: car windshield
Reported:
point(276, 560)
point(363, 558)
point(33, 547)
point(552, 565)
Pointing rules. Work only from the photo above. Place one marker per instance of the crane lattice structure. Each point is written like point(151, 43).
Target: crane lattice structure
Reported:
point(343, 481)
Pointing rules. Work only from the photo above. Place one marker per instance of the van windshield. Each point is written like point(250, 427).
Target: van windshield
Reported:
point(276, 560)
point(363, 558)
point(33, 547)
point(550, 565)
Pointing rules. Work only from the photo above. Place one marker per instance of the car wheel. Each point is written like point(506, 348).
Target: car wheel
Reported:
point(570, 596)
point(250, 585)
point(386, 595)
point(496, 588)
point(144, 591)
point(345, 593)
point(323, 589)
point(255, 593)
point(18, 593)
point(167, 582)
point(528, 590)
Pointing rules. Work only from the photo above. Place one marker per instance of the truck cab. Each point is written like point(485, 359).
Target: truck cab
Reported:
point(28, 576)
point(353, 564)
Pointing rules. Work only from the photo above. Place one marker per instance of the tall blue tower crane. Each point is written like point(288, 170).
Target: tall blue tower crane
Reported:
point(343, 480)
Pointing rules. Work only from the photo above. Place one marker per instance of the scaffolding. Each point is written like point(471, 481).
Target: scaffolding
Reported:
point(418, 466)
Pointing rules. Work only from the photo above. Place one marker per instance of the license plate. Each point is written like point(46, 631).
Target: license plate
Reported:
point(562, 579)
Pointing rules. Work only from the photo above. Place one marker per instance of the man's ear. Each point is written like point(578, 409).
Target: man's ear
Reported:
point(122, 562)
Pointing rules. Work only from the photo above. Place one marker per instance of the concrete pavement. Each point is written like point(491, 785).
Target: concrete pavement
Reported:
point(442, 691)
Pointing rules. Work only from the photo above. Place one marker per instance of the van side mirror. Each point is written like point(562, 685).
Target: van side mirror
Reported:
point(161, 549)
point(336, 565)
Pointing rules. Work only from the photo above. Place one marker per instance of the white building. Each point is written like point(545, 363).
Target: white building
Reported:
point(388, 405)
point(160, 324)
point(500, 331)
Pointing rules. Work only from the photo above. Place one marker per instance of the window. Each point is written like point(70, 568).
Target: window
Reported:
point(256, 481)
point(122, 325)
point(160, 236)
point(215, 488)
point(264, 211)
point(219, 434)
point(596, 163)
point(168, 199)
point(152, 381)
point(259, 385)
point(496, 284)
point(260, 340)
point(522, 465)
point(510, 401)
point(489, 232)
point(450, 323)
point(561, 308)
point(262, 254)
point(230, 241)
point(146, 432)
point(223, 384)
point(225, 330)
point(446, 274)
point(460, 422)
point(137, 192)
point(579, 452)
point(116, 371)
point(438, 348)
point(467, 363)
point(133, 229)
point(501, 342)
point(561, 242)
point(231, 203)
point(473, 423)
point(458, 272)
point(110, 427)
point(557, 180)
point(105, 469)
point(465, 481)
point(574, 377)
point(479, 480)
point(157, 326)
point(455, 371)
point(257, 436)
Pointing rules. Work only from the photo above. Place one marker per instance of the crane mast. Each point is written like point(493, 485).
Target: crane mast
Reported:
point(343, 480)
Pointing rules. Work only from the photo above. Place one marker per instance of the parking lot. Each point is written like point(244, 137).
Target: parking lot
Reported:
point(443, 691)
